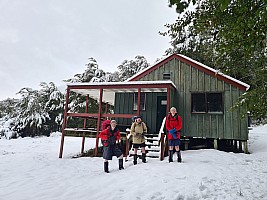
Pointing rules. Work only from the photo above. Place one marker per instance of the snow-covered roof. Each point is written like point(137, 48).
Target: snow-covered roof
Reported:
point(110, 88)
point(159, 82)
point(194, 63)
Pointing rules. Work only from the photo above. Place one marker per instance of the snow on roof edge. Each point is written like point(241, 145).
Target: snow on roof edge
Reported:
point(123, 83)
point(196, 62)
point(216, 71)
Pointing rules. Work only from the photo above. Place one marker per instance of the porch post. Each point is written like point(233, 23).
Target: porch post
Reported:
point(106, 111)
point(164, 145)
point(84, 123)
point(127, 145)
point(64, 123)
point(138, 101)
point(168, 100)
point(245, 143)
point(98, 120)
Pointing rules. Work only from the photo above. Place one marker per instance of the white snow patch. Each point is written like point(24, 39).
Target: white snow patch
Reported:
point(30, 169)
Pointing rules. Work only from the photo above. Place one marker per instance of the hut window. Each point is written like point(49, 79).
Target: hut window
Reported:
point(206, 103)
point(142, 101)
point(166, 76)
point(198, 103)
point(214, 102)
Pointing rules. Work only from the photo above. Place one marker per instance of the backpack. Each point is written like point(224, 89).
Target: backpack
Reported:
point(175, 116)
point(105, 124)
point(141, 124)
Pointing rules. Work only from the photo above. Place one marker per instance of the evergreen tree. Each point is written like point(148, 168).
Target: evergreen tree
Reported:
point(54, 103)
point(128, 68)
point(7, 107)
point(230, 36)
point(37, 110)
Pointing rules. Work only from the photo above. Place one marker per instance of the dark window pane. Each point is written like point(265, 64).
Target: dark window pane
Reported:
point(142, 101)
point(214, 102)
point(166, 76)
point(198, 102)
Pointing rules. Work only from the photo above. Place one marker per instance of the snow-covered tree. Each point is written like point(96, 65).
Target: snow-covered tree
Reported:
point(30, 114)
point(128, 68)
point(54, 106)
point(37, 110)
point(90, 72)
point(7, 107)
point(112, 77)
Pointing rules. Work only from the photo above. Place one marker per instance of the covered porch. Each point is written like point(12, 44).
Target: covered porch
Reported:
point(104, 93)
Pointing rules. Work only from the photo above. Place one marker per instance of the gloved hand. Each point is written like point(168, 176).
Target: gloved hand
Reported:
point(139, 135)
point(143, 134)
point(173, 133)
point(105, 143)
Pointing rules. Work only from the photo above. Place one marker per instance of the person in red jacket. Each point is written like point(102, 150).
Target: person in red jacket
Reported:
point(109, 138)
point(173, 126)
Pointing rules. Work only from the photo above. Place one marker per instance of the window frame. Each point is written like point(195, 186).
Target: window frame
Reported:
point(207, 103)
point(135, 101)
point(166, 76)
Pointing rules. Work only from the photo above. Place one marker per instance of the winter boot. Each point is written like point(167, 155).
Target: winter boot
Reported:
point(106, 167)
point(121, 164)
point(144, 157)
point(170, 155)
point(135, 159)
point(179, 157)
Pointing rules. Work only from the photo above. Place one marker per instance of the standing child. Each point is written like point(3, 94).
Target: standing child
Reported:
point(173, 126)
point(109, 137)
point(138, 131)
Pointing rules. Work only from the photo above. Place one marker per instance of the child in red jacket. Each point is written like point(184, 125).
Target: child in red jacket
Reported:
point(173, 126)
point(109, 137)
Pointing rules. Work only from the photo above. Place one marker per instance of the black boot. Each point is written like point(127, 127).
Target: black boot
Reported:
point(170, 155)
point(106, 167)
point(121, 164)
point(179, 157)
point(144, 157)
point(135, 159)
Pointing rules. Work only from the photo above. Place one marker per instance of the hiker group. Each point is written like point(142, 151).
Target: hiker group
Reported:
point(110, 135)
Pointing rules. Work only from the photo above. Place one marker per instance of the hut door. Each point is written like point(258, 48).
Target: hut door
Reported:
point(161, 110)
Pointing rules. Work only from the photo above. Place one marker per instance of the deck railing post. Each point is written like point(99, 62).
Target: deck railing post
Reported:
point(64, 123)
point(84, 124)
point(98, 121)
point(162, 146)
point(126, 147)
point(139, 102)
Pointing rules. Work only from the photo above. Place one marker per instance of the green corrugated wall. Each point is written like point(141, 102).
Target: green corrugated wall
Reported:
point(124, 104)
point(187, 79)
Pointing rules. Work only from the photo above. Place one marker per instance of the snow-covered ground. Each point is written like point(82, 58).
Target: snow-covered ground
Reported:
point(30, 169)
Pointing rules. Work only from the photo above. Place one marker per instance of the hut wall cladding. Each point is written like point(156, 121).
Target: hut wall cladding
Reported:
point(188, 79)
point(124, 104)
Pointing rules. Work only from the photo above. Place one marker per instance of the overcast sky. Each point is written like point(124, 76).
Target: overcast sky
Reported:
point(51, 40)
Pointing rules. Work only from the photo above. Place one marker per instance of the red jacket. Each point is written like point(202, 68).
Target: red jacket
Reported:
point(105, 134)
point(173, 122)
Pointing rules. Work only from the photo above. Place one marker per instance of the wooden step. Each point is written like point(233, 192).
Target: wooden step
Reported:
point(152, 139)
point(152, 147)
point(153, 154)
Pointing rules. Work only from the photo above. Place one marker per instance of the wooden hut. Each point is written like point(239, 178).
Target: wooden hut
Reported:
point(203, 97)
